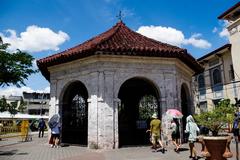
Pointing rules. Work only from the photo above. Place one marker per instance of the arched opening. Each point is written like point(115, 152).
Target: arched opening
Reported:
point(185, 107)
point(75, 114)
point(139, 100)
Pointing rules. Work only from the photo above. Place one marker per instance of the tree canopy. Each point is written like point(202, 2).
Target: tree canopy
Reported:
point(216, 119)
point(10, 107)
point(14, 67)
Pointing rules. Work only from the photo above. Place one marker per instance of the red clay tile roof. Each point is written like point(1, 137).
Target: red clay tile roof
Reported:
point(119, 40)
point(229, 10)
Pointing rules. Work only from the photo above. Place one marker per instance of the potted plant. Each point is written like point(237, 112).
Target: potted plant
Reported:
point(216, 146)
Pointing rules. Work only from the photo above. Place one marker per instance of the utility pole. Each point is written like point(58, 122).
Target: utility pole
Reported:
point(41, 108)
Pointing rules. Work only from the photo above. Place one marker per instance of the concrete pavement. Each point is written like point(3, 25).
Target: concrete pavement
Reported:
point(38, 149)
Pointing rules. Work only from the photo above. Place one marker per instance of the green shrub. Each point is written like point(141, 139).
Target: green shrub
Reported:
point(216, 119)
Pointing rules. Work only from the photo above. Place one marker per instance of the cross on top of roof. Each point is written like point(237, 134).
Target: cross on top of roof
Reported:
point(120, 15)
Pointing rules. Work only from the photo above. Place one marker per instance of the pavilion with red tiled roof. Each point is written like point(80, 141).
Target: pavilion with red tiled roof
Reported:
point(107, 88)
point(119, 40)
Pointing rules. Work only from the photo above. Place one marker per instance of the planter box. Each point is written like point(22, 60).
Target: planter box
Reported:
point(216, 148)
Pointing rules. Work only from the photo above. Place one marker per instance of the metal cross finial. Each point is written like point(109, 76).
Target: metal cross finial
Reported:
point(120, 16)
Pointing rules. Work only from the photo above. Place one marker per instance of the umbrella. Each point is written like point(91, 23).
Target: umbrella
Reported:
point(54, 120)
point(174, 113)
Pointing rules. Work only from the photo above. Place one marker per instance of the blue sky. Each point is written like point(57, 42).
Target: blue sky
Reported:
point(45, 27)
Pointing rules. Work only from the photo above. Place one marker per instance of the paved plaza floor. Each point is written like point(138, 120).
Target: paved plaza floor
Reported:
point(39, 149)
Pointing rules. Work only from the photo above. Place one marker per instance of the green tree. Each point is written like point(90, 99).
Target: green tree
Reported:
point(22, 106)
point(216, 119)
point(12, 108)
point(14, 67)
point(3, 104)
point(147, 106)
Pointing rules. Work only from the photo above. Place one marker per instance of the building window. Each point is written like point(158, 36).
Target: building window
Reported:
point(216, 76)
point(231, 73)
point(203, 107)
point(201, 82)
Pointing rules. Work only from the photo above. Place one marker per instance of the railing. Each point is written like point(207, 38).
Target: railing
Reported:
point(9, 131)
point(12, 130)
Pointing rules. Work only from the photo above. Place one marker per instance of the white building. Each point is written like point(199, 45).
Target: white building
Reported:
point(221, 76)
point(36, 103)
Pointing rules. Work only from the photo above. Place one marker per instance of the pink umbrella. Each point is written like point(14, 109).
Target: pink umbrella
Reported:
point(174, 113)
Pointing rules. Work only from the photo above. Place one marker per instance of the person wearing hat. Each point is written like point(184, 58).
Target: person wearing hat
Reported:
point(155, 129)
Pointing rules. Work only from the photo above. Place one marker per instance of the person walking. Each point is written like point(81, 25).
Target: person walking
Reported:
point(54, 124)
point(55, 133)
point(192, 129)
point(41, 127)
point(155, 130)
point(175, 126)
point(235, 129)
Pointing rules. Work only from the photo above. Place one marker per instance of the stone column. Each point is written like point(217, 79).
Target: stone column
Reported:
point(93, 120)
point(100, 110)
point(54, 98)
point(117, 102)
point(107, 116)
point(53, 103)
point(169, 89)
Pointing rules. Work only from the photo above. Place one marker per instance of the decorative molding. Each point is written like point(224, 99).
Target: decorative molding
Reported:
point(232, 31)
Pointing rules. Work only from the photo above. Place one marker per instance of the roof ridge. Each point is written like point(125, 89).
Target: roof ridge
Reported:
point(118, 40)
point(97, 36)
point(115, 28)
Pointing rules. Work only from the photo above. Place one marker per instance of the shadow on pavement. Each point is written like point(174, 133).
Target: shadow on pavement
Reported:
point(183, 149)
point(8, 153)
point(64, 145)
point(23, 153)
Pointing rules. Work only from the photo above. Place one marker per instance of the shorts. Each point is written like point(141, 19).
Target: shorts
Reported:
point(175, 136)
point(56, 135)
point(191, 141)
point(235, 131)
point(155, 138)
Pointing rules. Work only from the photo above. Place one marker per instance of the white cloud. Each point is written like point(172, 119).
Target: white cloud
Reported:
point(34, 62)
point(224, 33)
point(197, 42)
point(163, 34)
point(222, 29)
point(34, 39)
point(14, 91)
point(214, 30)
point(173, 36)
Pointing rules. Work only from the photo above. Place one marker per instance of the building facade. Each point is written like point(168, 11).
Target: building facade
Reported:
point(36, 103)
point(232, 15)
point(217, 81)
point(221, 76)
point(97, 86)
